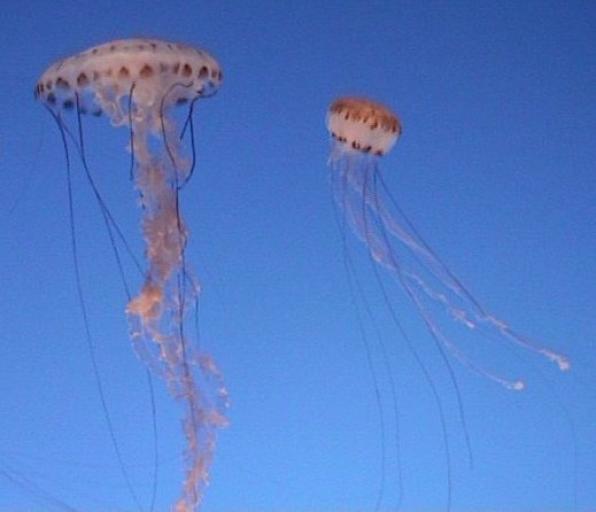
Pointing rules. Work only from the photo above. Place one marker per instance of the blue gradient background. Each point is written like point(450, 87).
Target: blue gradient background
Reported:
point(496, 168)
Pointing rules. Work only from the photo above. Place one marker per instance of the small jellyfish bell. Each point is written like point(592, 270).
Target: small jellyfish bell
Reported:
point(362, 132)
point(363, 125)
point(136, 83)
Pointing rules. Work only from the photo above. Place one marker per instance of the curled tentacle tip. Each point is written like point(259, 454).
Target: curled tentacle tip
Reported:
point(518, 385)
point(563, 363)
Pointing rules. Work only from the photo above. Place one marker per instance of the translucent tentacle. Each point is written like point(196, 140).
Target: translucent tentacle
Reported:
point(426, 273)
point(157, 314)
point(420, 272)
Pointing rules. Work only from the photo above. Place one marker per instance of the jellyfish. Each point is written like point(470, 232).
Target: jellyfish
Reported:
point(137, 83)
point(362, 132)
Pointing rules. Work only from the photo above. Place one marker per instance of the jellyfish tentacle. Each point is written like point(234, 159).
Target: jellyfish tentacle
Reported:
point(398, 269)
point(190, 123)
point(476, 314)
point(171, 144)
point(165, 298)
point(339, 207)
point(131, 132)
point(110, 224)
point(85, 316)
point(105, 210)
point(378, 253)
point(412, 283)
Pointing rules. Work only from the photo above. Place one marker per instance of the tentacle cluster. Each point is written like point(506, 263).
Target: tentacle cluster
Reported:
point(395, 244)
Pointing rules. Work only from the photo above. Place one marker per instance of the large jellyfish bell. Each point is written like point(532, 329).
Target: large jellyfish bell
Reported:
point(362, 132)
point(137, 83)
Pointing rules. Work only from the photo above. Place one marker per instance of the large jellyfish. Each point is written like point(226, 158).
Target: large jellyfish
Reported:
point(137, 83)
point(362, 132)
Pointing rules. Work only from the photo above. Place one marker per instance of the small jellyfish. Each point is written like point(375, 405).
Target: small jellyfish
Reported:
point(137, 83)
point(362, 132)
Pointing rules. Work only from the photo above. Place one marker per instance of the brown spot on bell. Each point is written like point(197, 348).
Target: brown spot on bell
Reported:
point(146, 71)
point(186, 70)
point(61, 83)
point(82, 80)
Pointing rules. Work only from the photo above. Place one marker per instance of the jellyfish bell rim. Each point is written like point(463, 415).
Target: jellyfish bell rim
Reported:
point(359, 124)
point(147, 63)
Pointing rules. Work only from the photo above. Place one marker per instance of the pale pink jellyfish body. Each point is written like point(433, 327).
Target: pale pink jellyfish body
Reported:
point(137, 83)
point(362, 132)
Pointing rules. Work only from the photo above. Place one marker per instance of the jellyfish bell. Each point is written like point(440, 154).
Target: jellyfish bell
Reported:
point(136, 83)
point(101, 76)
point(363, 125)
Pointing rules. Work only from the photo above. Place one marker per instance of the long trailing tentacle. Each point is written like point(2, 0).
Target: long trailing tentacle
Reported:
point(436, 334)
point(85, 316)
point(180, 278)
point(110, 224)
point(189, 123)
point(157, 314)
point(101, 202)
point(374, 245)
point(387, 256)
point(357, 215)
point(437, 292)
point(474, 314)
point(356, 292)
